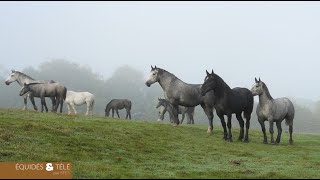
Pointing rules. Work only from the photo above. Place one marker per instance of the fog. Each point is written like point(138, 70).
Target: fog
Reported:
point(276, 41)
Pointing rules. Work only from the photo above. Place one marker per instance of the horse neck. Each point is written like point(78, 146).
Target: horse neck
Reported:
point(221, 87)
point(165, 79)
point(168, 108)
point(24, 79)
point(108, 107)
point(265, 96)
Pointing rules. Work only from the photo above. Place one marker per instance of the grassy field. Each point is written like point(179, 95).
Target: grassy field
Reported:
point(112, 148)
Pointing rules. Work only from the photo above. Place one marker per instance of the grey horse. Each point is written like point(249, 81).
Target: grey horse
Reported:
point(165, 105)
point(116, 104)
point(273, 110)
point(178, 93)
point(42, 90)
point(22, 78)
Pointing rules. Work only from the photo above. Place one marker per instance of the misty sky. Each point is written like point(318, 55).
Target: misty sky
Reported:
point(277, 41)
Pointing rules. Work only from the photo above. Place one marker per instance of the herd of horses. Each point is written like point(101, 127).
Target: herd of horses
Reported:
point(179, 98)
point(214, 93)
point(58, 93)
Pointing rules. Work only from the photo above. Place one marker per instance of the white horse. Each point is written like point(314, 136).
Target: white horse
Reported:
point(79, 98)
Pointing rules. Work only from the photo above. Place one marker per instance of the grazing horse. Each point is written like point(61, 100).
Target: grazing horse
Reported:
point(165, 105)
point(229, 101)
point(273, 110)
point(79, 98)
point(22, 78)
point(116, 104)
point(178, 93)
point(42, 90)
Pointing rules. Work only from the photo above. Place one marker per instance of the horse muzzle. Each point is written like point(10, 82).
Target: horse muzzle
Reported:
point(7, 82)
point(148, 84)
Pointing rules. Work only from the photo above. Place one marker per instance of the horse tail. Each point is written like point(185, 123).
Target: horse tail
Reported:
point(65, 93)
point(250, 102)
point(290, 115)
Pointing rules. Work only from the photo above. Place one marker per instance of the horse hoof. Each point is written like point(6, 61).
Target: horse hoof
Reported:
point(265, 142)
point(230, 140)
point(240, 139)
point(246, 141)
point(290, 142)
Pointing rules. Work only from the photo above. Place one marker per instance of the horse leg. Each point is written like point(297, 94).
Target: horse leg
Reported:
point(278, 123)
point(248, 117)
point(290, 131)
point(117, 113)
point(229, 127)
point(223, 123)
point(182, 118)
point(175, 114)
point(112, 113)
point(209, 113)
point(33, 103)
point(61, 104)
point(74, 108)
point(69, 108)
point(88, 108)
point(91, 107)
point(127, 113)
point(271, 131)
point(263, 128)
point(53, 100)
point(241, 123)
point(43, 103)
point(25, 103)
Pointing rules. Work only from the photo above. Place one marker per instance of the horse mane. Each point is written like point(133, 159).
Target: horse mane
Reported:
point(220, 83)
point(265, 88)
point(23, 74)
point(108, 106)
point(161, 71)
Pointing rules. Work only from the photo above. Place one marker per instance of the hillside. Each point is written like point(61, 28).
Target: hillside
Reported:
point(111, 148)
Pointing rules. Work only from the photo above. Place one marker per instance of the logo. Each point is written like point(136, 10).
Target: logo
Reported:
point(49, 167)
point(35, 170)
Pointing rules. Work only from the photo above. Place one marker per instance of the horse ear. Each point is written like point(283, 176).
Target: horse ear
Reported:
point(155, 67)
point(13, 70)
point(212, 72)
point(256, 80)
point(152, 67)
point(259, 79)
point(207, 73)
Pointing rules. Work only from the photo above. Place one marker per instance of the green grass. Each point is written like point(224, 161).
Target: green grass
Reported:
point(112, 148)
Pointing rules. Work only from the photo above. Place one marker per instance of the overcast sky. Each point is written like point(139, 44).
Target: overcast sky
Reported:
point(277, 41)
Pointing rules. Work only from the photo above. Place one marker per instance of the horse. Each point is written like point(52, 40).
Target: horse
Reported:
point(273, 110)
point(165, 105)
point(42, 90)
point(79, 98)
point(178, 93)
point(22, 78)
point(229, 101)
point(116, 104)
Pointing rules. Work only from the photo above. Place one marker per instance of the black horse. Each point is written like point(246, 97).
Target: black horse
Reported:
point(229, 101)
point(116, 104)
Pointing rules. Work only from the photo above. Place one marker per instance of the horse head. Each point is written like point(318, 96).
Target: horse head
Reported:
point(257, 87)
point(24, 89)
point(208, 84)
point(12, 77)
point(153, 77)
